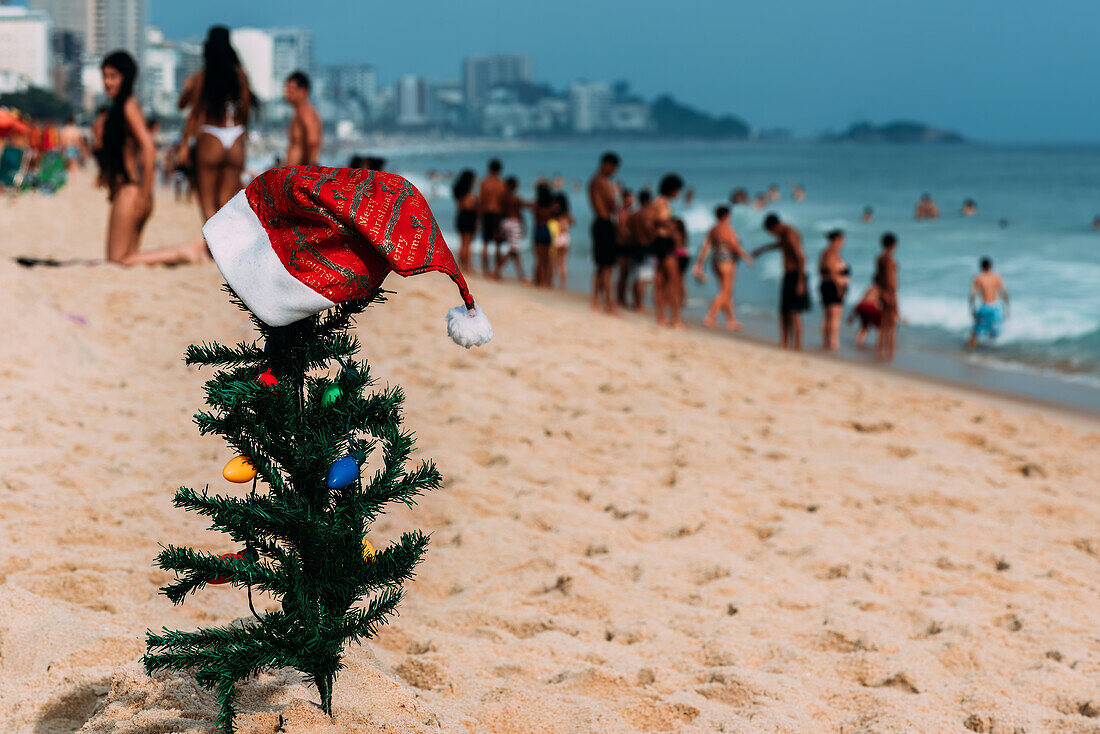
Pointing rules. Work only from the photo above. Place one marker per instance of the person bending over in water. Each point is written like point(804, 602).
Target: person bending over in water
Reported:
point(722, 241)
point(793, 295)
point(835, 275)
point(128, 159)
point(886, 278)
point(304, 134)
point(869, 311)
point(989, 315)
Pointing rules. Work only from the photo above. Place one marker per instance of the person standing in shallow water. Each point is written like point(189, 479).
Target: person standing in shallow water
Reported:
point(667, 296)
point(835, 275)
point(988, 315)
point(602, 197)
point(793, 295)
point(886, 278)
point(722, 241)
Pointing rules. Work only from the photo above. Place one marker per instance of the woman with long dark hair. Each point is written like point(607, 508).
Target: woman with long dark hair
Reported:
point(221, 102)
point(466, 217)
point(127, 157)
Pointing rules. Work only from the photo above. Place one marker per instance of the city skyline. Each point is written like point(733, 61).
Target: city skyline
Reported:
point(996, 71)
point(818, 74)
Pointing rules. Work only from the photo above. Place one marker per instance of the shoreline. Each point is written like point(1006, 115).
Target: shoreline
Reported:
point(1080, 416)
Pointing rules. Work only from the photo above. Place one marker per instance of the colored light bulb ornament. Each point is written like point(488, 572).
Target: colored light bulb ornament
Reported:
point(331, 395)
point(345, 470)
point(368, 550)
point(239, 470)
point(225, 579)
point(267, 378)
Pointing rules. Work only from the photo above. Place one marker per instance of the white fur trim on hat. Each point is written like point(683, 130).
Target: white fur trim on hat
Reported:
point(468, 328)
point(242, 250)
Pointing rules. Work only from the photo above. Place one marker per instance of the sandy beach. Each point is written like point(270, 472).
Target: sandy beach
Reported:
point(640, 530)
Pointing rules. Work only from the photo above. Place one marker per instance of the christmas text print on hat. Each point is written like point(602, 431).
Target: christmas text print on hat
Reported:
point(299, 240)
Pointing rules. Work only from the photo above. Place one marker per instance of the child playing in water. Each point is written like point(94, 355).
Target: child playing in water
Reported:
point(869, 311)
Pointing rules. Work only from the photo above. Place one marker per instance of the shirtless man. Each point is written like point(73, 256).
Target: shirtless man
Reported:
point(604, 202)
point(73, 146)
point(794, 297)
point(641, 241)
point(304, 134)
point(490, 207)
point(989, 315)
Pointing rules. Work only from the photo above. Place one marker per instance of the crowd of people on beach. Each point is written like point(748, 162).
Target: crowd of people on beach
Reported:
point(639, 245)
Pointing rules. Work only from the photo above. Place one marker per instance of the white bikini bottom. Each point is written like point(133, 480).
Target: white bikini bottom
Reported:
point(225, 135)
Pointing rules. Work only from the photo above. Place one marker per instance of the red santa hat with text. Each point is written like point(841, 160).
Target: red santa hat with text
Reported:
point(297, 241)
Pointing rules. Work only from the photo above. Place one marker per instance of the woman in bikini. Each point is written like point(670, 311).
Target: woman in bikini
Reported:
point(722, 240)
point(127, 158)
point(560, 248)
point(666, 288)
point(221, 101)
point(835, 275)
point(545, 209)
point(466, 217)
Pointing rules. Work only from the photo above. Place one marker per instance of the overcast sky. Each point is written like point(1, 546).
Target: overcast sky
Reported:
point(996, 70)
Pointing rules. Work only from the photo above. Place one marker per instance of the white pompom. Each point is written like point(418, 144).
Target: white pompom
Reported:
point(468, 328)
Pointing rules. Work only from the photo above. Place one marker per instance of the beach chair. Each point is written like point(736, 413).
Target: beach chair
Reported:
point(12, 160)
point(51, 175)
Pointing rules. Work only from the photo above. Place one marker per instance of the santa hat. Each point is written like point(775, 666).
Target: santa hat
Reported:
point(299, 240)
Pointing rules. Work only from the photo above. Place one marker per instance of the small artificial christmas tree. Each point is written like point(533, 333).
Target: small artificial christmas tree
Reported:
point(334, 236)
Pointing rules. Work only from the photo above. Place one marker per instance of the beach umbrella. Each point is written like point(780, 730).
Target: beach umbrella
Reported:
point(12, 125)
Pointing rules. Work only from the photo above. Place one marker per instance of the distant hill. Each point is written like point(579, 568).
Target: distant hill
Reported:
point(672, 119)
point(899, 131)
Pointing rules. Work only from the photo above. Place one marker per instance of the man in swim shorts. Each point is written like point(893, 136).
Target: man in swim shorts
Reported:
point(794, 297)
point(490, 204)
point(989, 315)
point(604, 201)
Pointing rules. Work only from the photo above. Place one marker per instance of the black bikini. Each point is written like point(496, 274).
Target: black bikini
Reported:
point(831, 293)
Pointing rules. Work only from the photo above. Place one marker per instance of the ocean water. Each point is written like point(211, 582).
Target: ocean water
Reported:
point(1045, 247)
